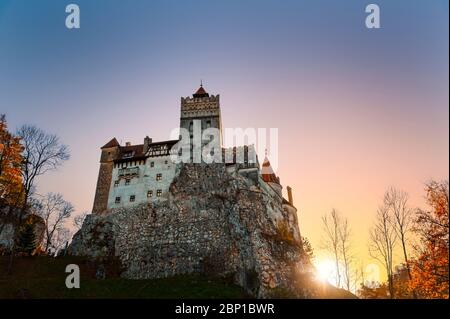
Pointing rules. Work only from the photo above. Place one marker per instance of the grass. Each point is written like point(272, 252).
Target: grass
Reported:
point(44, 277)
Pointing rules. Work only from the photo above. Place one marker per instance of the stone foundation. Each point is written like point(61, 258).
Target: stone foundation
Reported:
point(215, 223)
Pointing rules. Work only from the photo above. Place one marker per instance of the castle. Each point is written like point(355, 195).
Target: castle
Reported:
point(163, 217)
point(130, 175)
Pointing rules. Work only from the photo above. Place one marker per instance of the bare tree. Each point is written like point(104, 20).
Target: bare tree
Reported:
point(42, 153)
point(55, 211)
point(402, 219)
point(382, 240)
point(79, 219)
point(61, 239)
point(331, 242)
point(345, 250)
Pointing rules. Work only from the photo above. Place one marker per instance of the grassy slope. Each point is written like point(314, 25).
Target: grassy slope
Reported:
point(44, 277)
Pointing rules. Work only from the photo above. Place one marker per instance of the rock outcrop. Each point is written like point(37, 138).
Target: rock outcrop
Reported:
point(214, 221)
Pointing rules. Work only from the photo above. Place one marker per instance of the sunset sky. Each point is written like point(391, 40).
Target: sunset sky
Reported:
point(357, 110)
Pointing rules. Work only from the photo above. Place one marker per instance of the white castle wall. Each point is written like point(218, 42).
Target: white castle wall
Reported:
point(141, 183)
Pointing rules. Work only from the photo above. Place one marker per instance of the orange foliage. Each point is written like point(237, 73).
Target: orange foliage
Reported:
point(11, 188)
point(430, 270)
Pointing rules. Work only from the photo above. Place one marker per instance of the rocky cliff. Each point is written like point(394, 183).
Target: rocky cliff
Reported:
point(215, 221)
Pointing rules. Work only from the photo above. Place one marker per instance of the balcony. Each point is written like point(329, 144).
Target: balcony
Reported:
point(131, 171)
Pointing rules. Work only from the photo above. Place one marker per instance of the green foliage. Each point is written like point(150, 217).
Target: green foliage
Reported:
point(26, 239)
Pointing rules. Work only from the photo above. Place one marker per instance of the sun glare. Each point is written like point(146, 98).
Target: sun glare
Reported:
point(325, 271)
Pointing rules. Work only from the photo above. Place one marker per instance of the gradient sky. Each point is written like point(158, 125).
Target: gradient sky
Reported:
point(357, 110)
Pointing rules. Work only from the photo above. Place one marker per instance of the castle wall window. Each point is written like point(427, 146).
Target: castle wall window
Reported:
point(208, 124)
point(127, 182)
point(116, 183)
point(158, 177)
point(158, 193)
point(150, 194)
point(118, 200)
point(132, 198)
point(165, 162)
point(127, 155)
point(152, 164)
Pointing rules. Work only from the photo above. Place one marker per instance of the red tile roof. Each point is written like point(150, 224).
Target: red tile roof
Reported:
point(112, 143)
point(267, 173)
point(200, 92)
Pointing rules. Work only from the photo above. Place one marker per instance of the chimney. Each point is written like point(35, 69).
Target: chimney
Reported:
point(127, 143)
point(147, 141)
point(289, 190)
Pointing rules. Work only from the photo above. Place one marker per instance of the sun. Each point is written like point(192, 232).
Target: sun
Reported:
point(326, 271)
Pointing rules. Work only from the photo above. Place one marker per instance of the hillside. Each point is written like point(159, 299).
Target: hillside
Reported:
point(44, 277)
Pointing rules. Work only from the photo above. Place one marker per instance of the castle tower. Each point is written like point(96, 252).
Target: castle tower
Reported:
point(109, 152)
point(203, 107)
point(268, 175)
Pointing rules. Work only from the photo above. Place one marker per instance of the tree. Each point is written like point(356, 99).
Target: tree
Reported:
point(42, 153)
point(55, 211)
point(331, 241)
point(337, 241)
point(61, 239)
point(430, 272)
point(307, 248)
point(382, 240)
point(382, 243)
point(397, 201)
point(372, 291)
point(79, 219)
point(345, 250)
point(11, 190)
point(26, 239)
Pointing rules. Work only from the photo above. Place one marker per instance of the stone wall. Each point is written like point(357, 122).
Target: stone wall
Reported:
point(214, 222)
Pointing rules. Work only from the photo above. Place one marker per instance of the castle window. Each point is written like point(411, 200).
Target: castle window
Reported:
point(150, 194)
point(152, 164)
point(118, 200)
point(132, 198)
point(208, 124)
point(127, 182)
point(165, 162)
point(116, 183)
point(159, 193)
point(191, 126)
point(158, 177)
point(127, 155)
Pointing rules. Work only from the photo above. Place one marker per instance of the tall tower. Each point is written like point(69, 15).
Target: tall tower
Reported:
point(203, 107)
point(110, 151)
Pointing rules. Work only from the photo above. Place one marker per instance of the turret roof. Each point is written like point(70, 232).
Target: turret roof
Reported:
point(112, 143)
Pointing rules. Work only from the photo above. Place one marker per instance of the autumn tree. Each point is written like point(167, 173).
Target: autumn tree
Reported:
point(41, 153)
point(11, 190)
point(382, 240)
point(430, 272)
point(372, 291)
